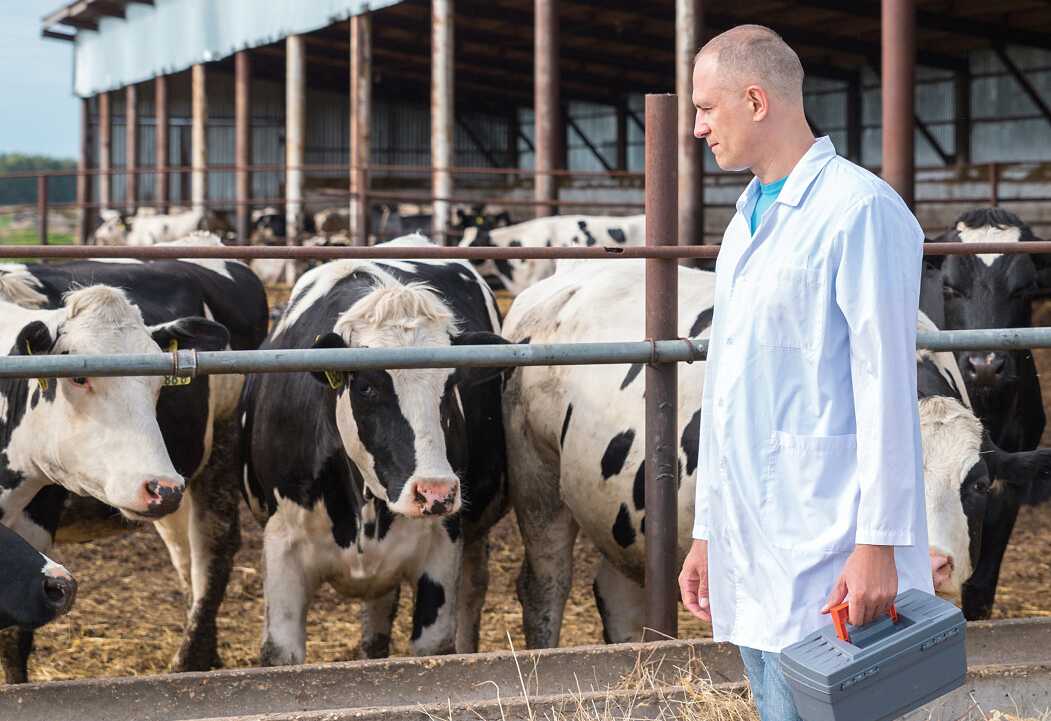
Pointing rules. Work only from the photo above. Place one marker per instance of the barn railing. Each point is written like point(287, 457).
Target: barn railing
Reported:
point(660, 352)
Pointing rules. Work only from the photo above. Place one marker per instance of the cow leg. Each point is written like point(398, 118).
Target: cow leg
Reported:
point(621, 603)
point(435, 608)
point(547, 573)
point(289, 584)
point(15, 646)
point(377, 618)
point(979, 591)
point(474, 584)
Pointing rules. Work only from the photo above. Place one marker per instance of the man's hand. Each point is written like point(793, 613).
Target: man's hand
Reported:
point(693, 581)
point(871, 580)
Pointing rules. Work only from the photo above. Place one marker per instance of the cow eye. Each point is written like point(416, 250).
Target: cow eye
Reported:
point(951, 293)
point(981, 487)
point(79, 382)
point(366, 390)
point(1023, 292)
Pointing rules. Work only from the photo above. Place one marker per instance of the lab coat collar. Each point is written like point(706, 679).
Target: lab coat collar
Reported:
point(801, 177)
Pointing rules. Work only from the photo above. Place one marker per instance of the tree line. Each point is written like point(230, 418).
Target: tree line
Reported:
point(19, 191)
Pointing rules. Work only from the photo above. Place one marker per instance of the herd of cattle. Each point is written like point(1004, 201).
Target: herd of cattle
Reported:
point(368, 480)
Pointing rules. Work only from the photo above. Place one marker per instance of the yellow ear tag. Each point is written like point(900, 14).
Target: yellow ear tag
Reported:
point(42, 382)
point(176, 380)
point(334, 378)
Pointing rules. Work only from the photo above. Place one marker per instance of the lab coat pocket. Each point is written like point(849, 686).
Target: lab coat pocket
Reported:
point(789, 307)
point(810, 493)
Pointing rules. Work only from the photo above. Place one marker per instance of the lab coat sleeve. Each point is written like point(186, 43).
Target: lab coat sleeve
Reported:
point(877, 289)
point(704, 451)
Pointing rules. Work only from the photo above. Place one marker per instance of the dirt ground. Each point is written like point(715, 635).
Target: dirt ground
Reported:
point(129, 612)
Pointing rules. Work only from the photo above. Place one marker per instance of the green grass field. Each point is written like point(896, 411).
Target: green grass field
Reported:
point(29, 236)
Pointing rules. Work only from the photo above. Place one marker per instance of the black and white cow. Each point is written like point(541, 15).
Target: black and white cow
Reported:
point(992, 291)
point(370, 479)
point(33, 588)
point(556, 231)
point(576, 447)
point(161, 453)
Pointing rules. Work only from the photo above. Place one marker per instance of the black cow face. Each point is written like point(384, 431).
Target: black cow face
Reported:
point(33, 588)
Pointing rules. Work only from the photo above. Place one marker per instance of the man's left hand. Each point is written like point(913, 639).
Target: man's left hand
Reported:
point(871, 580)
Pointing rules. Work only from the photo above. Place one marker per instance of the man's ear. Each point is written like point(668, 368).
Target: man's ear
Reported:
point(34, 339)
point(476, 374)
point(333, 379)
point(756, 97)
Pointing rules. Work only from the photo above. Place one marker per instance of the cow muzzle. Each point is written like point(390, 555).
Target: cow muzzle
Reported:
point(435, 497)
point(942, 567)
point(161, 496)
point(60, 590)
point(984, 368)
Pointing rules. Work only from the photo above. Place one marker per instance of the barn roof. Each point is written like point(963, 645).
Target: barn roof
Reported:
point(607, 47)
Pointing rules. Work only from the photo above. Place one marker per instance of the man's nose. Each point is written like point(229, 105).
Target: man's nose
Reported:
point(700, 129)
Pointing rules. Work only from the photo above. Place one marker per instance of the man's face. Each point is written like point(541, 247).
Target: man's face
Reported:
point(724, 119)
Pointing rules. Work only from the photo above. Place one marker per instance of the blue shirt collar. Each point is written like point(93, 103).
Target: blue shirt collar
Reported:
point(799, 180)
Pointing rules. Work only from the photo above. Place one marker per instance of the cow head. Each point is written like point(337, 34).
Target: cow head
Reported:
point(95, 436)
point(33, 588)
point(113, 230)
point(987, 291)
point(394, 424)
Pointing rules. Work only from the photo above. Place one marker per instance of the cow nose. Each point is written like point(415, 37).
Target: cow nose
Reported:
point(984, 369)
point(162, 496)
point(60, 592)
point(435, 497)
point(941, 570)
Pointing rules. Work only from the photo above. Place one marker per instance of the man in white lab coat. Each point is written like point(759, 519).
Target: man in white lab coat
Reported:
point(810, 484)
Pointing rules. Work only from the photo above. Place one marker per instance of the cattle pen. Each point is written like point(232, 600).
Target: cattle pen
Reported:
point(530, 684)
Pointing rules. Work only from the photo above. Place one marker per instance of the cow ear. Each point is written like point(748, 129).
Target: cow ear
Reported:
point(335, 379)
point(932, 262)
point(1042, 262)
point(192, 332)
point(1026, 474)
point(34, 339)
point(476, 374)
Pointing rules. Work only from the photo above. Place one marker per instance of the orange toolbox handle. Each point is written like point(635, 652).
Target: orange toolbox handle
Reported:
point(839, 618)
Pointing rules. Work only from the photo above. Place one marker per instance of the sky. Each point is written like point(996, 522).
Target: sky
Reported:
point(39, 115)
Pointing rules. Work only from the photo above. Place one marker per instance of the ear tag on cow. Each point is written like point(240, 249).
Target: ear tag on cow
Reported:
point(334, 378)
point(42, 382)
point(176, 380)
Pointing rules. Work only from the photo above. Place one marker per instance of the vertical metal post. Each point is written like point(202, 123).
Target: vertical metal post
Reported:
point(689, 36)
point(360, 125)
point(131, 146)
point(41, 206)
point(994, 184)
point(199, 139)
point(83, 180)
point(243, 142)
point(962, 126)
point(295, 134)
point(547, 115)
point(899, 66)
point(662, 293)
point(160, 87)
point(105, 143)
point(442, 104)
point(622, 133)
point(854, 119)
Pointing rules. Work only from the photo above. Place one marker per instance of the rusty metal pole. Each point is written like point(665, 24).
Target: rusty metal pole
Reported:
point(994, 184)
point(131, 146)
point(689, 36)
point(662, 294)
point(442, 109)
point(160, 87)
point(199, 139)
point(83, 179)
point(41, 206)
point(899, 103)
point(243, 142)
point(105, 144)
point(295, 135)
point(360, 124)
point(547, 116)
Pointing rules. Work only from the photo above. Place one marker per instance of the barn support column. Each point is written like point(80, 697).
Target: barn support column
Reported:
point(662, 292)
point(131, 146)
point(199, 139)
point(442, 114)
point(689, 36)
point(243, 142)
point(622, 133)
point(160, 89)
point(854, 119)
point(360, 124)
point(548, 121)
point(83, 179)
point(899, 96)
point(105, 143)
point(962, 125)
point(295, 134)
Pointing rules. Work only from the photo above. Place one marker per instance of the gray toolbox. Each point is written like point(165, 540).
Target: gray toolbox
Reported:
point(886, 668)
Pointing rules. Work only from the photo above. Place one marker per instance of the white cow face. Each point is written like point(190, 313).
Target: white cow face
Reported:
point(94, 436)
point(113, 231)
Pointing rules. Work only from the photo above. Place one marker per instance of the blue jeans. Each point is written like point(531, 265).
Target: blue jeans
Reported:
point(770, 690)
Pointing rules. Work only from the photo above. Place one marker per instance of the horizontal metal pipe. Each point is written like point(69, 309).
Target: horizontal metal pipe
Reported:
point(186, 363)
point(456, 252)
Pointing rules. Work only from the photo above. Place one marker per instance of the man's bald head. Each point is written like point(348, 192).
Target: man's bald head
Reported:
point(756, 55)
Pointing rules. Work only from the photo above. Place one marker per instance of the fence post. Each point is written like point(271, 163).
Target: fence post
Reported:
point(41, 206)
point(662, 294)
point(994, 184)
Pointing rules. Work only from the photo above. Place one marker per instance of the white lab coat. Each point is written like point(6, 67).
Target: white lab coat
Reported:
point(810, 434)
